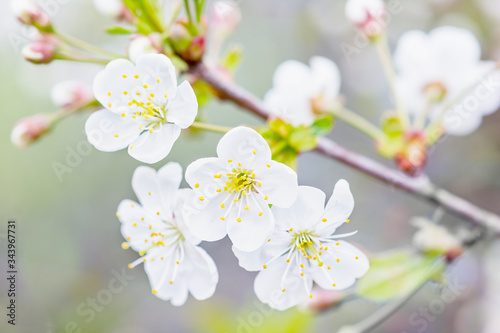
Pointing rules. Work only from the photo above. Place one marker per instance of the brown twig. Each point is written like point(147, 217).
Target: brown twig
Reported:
point(420, 186)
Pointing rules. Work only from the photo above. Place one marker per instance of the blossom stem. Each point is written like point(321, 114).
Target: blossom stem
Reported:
point(355, 120)
point(212, 128)
point(192, 26)
point(385, 56)
point(420, 186)
point(152, 16)
point(199, 9)
point(84, 46)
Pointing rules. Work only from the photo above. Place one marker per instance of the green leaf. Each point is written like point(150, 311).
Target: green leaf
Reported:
point(121, 29)
point(302, 139)
point(396, 274)
point(322, 126)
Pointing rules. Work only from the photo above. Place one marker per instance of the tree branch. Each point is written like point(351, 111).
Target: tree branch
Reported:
point(420, 186)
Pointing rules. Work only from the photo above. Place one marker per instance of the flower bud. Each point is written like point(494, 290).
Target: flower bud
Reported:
point(435, 239)
point(412, 157)
point(69, 93)
point(142, 44)
point(190, 48)
point(28, 12)
point(28, 130)
point(39, 52)
point(367, 15)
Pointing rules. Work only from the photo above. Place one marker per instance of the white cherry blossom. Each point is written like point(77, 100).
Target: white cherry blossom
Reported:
point(155, 228)
point(232, 192)
point(145, 110)
point(304, 248)
point(301, 92)
point(436, 69)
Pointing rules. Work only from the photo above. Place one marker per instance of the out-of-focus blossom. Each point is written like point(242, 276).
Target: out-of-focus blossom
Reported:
point(322, 300)
point(224, 18)
point(29, 129)
point(145, 110)
point(436, 69)
point(69, 93)
point(304, 248)
point(367, 15)
point(435, 239)
point(233, 192)
point(141, 44)
point(30, 13)
point(300, 93)
point(110, 8)
point(155, 228)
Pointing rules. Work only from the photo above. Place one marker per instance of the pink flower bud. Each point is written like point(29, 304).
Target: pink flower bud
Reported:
point(28, 130)
point(141, 44)
point(28, 12)
point(367, 15)
point(39, 52)
point(69, 93)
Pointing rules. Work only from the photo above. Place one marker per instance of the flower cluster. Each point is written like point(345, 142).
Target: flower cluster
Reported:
point(276, 226)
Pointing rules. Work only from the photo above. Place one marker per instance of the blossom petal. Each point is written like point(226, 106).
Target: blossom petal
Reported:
point(279, 183)
point(326, 76)
point(305, 212)
point(203, 218)
point(278, 243)
point(182, 109)
point(352, 264)
point(153, 147)
point(136, 222)
point(203, 277)
point(159, 66)
point(270, 282)
point(148, 189)
point(250, 223)
point(244, 145)
point(338, 209)
point(161, 273)
point(107, 131)
point(293, 108)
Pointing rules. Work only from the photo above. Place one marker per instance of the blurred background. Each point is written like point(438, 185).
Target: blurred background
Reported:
point(68, 236)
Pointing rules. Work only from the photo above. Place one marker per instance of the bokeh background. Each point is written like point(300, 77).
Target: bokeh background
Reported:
point(68, 235)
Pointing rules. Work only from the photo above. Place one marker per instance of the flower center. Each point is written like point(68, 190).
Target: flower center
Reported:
point(308, 245)
point(435, 92)
point(240, 181)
